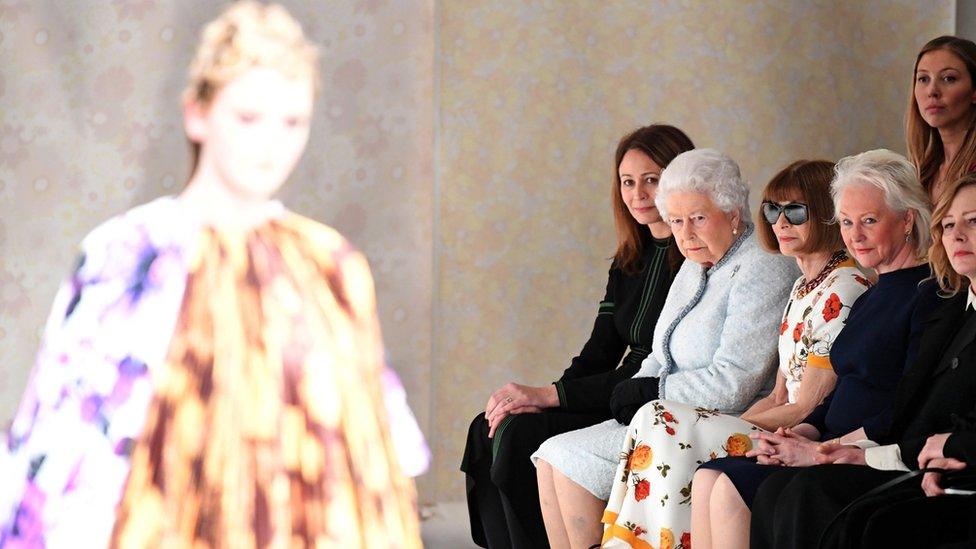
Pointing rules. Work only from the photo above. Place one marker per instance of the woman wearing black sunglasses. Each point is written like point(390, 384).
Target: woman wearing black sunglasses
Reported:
point(934, 427)
point(884, 215)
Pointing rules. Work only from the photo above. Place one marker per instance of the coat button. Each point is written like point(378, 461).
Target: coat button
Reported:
point(955, 363)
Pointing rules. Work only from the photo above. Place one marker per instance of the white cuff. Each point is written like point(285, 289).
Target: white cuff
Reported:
point(886, 458)
point(650, 367)
point(863, 443)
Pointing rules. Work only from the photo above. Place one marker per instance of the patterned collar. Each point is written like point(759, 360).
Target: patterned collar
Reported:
point(970, 298)
point(833, 262)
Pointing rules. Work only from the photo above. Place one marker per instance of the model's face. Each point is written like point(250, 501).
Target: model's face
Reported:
point(701, 229)
point(944, 90)
point(959, 233)
point(873, 232)
point(253, 132)
point(790, 237)
point(639, 176)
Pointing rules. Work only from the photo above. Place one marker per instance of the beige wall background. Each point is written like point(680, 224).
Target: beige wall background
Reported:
point(465, 146)
point(533, 98)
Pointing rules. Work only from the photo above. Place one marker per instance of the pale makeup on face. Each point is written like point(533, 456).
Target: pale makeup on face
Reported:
point(873, 232)
point(791, 238)
point(959, 233)
point(251, 136)
point(944, 90)
point(639, 177)
point(702, 231)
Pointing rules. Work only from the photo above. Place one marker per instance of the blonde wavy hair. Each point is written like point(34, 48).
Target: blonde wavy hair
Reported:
point(248, 34)
point(949, 280)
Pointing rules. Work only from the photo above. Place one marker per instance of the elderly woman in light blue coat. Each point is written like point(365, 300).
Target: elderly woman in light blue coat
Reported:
point(714, 344)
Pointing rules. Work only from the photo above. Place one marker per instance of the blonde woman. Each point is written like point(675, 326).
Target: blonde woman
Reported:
point(211, 372)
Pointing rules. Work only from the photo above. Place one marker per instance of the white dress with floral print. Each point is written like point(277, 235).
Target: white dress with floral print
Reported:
point(650, 503)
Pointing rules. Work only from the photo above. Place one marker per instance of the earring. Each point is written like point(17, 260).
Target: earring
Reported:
point(908, 237)
point(735, 232)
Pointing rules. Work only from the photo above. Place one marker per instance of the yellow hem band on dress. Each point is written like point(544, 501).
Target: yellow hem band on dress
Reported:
point(621, 533)
point(815, 361)
point(609, 517)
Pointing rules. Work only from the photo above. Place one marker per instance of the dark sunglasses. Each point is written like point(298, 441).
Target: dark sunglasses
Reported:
point(796, 213)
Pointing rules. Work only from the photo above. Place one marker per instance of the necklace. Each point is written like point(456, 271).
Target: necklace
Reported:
point(806, 287)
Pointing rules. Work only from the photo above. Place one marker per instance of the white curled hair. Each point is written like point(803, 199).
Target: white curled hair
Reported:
point(895, 176)
point(705, 171)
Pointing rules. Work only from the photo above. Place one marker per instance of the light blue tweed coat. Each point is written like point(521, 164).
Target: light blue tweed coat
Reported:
point(714, 346)
point(715, 341)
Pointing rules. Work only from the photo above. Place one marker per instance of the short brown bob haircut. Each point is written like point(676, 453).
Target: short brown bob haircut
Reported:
point(806, 181)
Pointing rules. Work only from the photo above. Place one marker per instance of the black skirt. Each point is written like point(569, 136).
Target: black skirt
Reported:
point(502, 491)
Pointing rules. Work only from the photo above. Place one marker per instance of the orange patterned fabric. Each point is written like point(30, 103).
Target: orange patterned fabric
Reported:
point(268, 427)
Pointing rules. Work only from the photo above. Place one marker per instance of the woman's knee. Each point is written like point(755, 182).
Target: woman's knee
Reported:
point(725, 496)
point(478, 430)
point(705, 476)
point(477, 451)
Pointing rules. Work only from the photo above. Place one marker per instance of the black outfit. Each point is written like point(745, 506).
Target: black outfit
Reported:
point(503, 495)
point(794, 507)
point(869, 356)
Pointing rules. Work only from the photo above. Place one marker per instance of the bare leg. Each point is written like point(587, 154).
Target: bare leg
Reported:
point(581, 512)
point(551, 514)
point(701, 493)
point(729, 515)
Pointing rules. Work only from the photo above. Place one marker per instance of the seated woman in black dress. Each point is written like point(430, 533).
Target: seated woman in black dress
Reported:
point(934, 426)
point(884, 221)
point(503, 499)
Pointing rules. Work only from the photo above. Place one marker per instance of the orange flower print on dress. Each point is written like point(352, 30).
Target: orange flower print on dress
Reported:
point(738, 444)
point(641, 458)
point(832, 308)
point(685, 541)
point(667, 539)
point(797, 332)
point(783, 327)
point(642, 489)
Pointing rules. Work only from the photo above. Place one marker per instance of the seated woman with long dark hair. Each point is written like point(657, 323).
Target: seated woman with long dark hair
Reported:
point(503, 500)
point(934, 426)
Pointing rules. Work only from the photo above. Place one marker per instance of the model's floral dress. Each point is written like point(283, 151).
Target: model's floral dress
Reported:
point(650, 503)
point(200, 388)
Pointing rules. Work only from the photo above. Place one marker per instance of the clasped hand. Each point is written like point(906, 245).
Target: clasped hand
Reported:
point(783, 447)
point(932, 457)
point(513, 398)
